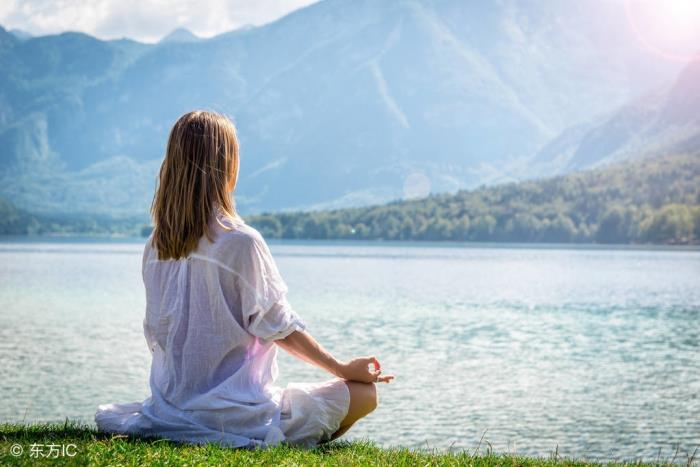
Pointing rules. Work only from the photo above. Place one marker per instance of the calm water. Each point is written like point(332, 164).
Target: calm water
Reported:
point(594, 350)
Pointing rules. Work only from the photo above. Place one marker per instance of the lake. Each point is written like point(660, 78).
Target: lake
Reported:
point(591, 351)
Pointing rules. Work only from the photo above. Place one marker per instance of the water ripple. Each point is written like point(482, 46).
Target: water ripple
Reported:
point(591, 352)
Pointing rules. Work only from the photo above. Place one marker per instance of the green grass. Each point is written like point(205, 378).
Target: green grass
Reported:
point(93, 448)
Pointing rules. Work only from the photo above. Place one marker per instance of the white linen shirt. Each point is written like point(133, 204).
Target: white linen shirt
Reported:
point(210, 322)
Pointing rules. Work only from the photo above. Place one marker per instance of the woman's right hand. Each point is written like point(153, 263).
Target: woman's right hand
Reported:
point(358, 369)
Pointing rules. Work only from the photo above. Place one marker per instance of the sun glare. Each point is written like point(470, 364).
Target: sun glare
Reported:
point(670, 28)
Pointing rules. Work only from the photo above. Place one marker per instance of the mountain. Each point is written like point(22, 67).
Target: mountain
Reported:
point(339, 103)
point(21, 34)
point(179, 35)
point(665, 121)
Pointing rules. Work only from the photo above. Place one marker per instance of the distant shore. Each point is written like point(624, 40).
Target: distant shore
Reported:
point(651, 201)
point(133, 238)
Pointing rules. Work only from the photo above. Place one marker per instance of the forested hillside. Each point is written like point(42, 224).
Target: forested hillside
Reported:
point(14, 221)
point(649, 201)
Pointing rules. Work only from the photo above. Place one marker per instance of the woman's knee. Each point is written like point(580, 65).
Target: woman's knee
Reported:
point(363, 399)
point(370, 398)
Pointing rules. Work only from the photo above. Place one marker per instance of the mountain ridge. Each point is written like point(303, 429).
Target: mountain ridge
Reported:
point(666, 120)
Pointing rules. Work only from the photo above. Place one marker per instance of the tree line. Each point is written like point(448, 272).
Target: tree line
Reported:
point(649, 201)
point(654, 200)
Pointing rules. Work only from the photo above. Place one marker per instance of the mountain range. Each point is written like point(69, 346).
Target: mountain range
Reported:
point(342, 103)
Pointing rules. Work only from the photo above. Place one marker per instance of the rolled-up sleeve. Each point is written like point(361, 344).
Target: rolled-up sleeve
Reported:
point(265, 310)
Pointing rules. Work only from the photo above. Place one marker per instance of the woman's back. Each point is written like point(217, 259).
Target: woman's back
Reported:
point(210, 318)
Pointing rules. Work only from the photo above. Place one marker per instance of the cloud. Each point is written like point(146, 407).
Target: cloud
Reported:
point(144, 20)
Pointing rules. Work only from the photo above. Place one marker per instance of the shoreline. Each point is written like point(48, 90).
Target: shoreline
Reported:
point(111, 238)
point(75, 443)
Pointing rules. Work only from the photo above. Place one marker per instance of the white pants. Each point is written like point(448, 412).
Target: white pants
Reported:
point(312, 412)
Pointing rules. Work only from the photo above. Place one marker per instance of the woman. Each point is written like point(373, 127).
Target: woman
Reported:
point(216, 311)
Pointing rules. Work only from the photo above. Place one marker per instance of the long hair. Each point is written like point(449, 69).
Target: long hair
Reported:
point(198, 173)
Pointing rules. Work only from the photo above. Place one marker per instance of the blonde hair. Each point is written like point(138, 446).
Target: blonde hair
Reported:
point(200, 164)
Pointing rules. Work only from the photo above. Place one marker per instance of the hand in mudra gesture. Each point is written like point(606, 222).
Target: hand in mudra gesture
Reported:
point(364, 370)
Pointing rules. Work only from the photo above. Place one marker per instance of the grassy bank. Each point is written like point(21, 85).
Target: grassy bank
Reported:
point(74, 444)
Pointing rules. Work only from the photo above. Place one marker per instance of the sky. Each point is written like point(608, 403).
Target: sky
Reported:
point(669, 28)
point(143, 20)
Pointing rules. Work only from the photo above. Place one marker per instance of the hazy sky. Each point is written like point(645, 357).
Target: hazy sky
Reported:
point(145, 20)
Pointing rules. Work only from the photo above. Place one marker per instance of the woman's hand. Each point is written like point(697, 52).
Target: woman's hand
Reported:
point(302, 345)
point(358, 369)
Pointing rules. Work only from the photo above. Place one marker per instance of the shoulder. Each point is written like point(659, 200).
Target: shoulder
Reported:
point(241, 243)
point(241, 234)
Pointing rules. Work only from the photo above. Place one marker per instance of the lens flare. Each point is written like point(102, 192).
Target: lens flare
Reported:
point(669, 28)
